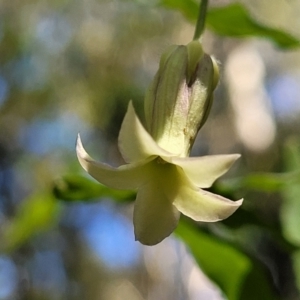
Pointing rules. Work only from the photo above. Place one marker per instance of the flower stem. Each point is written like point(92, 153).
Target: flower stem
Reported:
point(201, 19)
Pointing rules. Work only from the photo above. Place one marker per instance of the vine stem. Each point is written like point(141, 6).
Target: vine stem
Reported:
point(201, 19)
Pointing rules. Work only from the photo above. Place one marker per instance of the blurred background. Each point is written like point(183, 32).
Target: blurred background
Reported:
point(72, 66)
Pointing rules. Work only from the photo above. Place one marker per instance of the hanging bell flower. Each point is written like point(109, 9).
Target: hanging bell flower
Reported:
point(168, 182)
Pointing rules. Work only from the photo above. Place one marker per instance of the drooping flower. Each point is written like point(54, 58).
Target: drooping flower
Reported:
point(168, 182)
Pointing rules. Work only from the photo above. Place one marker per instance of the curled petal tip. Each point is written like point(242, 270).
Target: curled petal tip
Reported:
point(79, 146)
point(78, 138)
point(125, 177)
point(231, 209)
point(130, 106)
point(205, 206)
point(82, 155)
point(238, 203)
point(233, 157)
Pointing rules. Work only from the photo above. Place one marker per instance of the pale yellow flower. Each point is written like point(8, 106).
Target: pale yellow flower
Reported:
point(166, 183)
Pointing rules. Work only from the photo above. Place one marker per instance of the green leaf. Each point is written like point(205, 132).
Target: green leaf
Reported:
point(80, 188)
point(35, 214)
point(290, 210)
point(222, 263)
point(263, 182)
point(296, 266)
point(233, 20)
point(234, 272)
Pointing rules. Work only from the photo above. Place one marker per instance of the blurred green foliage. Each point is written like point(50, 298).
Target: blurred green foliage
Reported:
point(34, 215)
point(66, 67)
point(79, 188)
point(234, 20)
point(290, 210)
point(235, 272)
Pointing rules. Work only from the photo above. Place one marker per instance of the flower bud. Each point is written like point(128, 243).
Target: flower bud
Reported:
point(179, 99)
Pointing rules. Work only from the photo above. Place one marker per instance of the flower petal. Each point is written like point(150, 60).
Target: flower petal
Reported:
point(129, 176)
point(135, 143)
point(204, 170)
point(155, 217)
point(204, 206)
